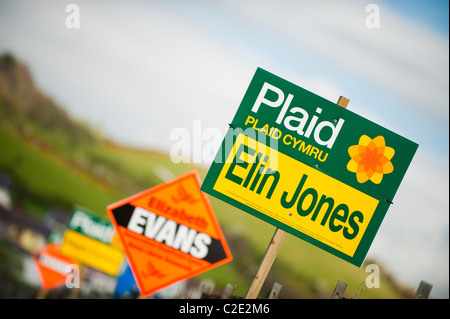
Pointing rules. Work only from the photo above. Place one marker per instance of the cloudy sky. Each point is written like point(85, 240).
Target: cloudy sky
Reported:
point(137, 70)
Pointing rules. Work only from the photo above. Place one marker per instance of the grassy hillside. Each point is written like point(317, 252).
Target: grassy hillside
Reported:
point(66, 163)
point(42, 180)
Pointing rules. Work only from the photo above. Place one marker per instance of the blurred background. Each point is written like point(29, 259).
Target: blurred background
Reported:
point(93, 98)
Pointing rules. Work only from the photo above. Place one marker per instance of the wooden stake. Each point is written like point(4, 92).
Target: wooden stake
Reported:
point(228, 292)
point(42, 293)
point(423, 292)
point(343, 101)
point(268, 259)
point(73, 294)
point(338, 292)
point(274, 246)
point(273, 294)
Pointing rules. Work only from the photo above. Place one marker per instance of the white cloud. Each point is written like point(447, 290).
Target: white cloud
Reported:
point(402, 57)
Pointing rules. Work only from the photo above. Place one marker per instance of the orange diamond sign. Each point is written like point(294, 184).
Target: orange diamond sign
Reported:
point(53, 266)
point(169, 233)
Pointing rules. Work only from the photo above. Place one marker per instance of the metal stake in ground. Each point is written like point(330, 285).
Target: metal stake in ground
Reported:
point(274, 246)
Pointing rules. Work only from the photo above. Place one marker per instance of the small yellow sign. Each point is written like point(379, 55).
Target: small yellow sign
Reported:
point(92, 252)
point(296, 194)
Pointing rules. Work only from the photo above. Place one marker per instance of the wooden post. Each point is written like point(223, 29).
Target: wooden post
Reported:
point(339, 290)
point(343, 101)
point(42, 293)
point(274, 246)
point(273, 294)
point(266, 263)
point(228, 292)
point(423, 291)
point(73, 294)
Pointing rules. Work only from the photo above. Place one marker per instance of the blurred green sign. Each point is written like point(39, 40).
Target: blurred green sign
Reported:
point(84, 222)
point(88, 240)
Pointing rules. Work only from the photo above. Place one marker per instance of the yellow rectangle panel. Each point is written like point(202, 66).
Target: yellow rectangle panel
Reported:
point(296, 194)
point(92, 252)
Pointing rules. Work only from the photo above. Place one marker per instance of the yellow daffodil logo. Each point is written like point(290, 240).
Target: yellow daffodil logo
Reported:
point(370, 159)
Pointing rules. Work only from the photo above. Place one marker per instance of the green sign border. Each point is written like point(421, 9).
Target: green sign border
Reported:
point(335, 165)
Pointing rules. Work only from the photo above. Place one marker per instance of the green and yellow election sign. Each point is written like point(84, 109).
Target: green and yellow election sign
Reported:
point(309, 167)
point(88, 239)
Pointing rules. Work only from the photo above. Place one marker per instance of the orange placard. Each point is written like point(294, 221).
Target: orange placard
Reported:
point(52, 266)
point(169, 233)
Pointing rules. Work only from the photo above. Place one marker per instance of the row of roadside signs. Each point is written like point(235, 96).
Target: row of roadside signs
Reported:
point(168, 233)
point(290, 158)
point(88, 241)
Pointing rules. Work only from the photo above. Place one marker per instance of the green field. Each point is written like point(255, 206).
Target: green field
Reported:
point(41, 180)
point(56, 161)
point(45, 179)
